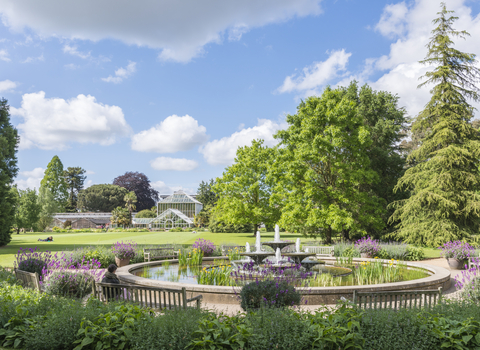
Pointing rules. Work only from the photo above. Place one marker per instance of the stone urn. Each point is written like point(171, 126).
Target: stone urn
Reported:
point(365, 255)
point(122, 262)
point(456, 264)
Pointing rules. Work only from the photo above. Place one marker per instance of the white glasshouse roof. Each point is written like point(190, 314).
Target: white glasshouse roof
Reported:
point(179, 197)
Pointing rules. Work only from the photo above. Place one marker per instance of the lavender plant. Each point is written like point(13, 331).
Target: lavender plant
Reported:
point(124, 250)
point(76, 283)
point(469, 282)
point(31, 260)
point(268, 293)
point(367, 245)
point(457, 250)
point(204, 245)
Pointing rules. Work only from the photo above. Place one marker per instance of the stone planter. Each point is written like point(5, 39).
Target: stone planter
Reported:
point(456, 264)
point(121, 262)
point(365, 256)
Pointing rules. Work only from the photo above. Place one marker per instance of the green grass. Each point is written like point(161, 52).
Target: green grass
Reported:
point(70, 241)
point(431, 253)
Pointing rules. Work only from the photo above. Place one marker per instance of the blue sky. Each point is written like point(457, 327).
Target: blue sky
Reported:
point(171, 88)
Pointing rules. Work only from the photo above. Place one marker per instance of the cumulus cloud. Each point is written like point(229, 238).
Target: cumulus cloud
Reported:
point(392, 21)
point(30, 179)
point(121, 73)
point(33, 59)
point(73, 50)
point(4, 56)
point(54, 123)
point(177, 164)
point(317, 75)
point(171, 135)
point(223, 151)
point(163, 188)
point(180, 29)
point(7, 85)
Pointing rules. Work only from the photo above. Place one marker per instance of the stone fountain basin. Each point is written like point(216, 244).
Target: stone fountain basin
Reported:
point(439, 277)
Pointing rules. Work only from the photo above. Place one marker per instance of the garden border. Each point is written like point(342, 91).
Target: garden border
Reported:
point(440, 277)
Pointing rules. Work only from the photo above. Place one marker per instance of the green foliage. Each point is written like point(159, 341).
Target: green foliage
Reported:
point(74, 284)
point(121, 216)
point(48, 207)
point(206, 194)
point(27, 211)
point(146, 214)
point(112, 330)
point(54, 180)
point(415, 253)
point(74, 178)
point(322, 173)
point(103, 198)
point(217, 225)
point(7, 276)
point(8, 170)
point(243, 192)
point(268, 293)
point(444, 178)
point(130, 200)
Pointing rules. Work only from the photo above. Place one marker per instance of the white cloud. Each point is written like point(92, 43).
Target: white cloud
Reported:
point(223, 151)
point(392, 22)
point(180, 29)
point(33, 59)
point(121, 73)
point(30, 179)
point(318, 74)
point(7, 85)
point(171, 135)
point(163, 188)
point(71, 66)
point(4, 56)
point(55, 123)
point(73, 50)
point(177, 164)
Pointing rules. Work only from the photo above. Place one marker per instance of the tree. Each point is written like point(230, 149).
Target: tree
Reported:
point(74, 178)
point(444, 204)
point(103, 198)
point(121, 216)
point(322, 172)
point(130, 200)
point(146, 214)
point(8, 170)
point(54, 180)
point(27, 211)
point(140, 184)
point(48, 207)
point(205, 193)
point(243, 192)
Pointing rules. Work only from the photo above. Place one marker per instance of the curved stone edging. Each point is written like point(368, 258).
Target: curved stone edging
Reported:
point(315, 295)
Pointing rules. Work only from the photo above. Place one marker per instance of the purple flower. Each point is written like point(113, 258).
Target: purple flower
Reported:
point(367, 245)
point(457, 250)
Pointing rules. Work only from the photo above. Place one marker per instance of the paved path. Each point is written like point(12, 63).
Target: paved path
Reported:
point(231, 309)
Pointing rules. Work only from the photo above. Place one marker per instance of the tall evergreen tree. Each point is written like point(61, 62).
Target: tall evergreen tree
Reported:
point(8, 170)
point(74, 178)
point(444, 204)
point(48, 208)
point(54, 180)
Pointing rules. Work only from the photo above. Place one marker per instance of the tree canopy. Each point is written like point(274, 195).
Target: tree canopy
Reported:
point(27, 211)
point(74, 178)
point(140, 184)
point(54, 180)
point(443, 182)
point(8, 170)
point(48, 207)
point(102, 198)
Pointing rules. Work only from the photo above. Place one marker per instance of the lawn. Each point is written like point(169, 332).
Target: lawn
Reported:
point(70, 241)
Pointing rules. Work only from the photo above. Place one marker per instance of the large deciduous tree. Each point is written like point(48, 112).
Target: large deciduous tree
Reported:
point(243, 192)
point(322, 172)
point(103, 198)
point(140, 184)
point(444, 204)
point(54, 180)
point(74, 178)
point(27, 211)
point(8, 170)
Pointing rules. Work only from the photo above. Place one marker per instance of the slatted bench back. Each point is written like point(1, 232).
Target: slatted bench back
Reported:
point(28, 279)
point(158, 253)
point(397, 299)
point(320, 250)
point(156, 298)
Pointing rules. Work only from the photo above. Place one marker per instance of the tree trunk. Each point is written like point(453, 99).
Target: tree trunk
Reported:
point(328, 235)
point(346, 235)
point(255, 228)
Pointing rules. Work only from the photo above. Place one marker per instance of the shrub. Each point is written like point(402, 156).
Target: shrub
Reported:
point(67, 224)
point(124, 250)
point(176, 229)
point(367, 245)
point(74, 284)
point(469, 282)
point(457, 250)
point(415, 253)
point(206, 246)
point(30, 260)
point(268, 293)
point(346, 250)
point(7, 276)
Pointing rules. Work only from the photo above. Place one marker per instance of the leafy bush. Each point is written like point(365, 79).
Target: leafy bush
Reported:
point(347, 250)
point(67, 224)
point(415, 253)
point(7, 276)
point(74, 284)
point(269, 294)
point(176, 229)
point(31, 260)
point(206, 246)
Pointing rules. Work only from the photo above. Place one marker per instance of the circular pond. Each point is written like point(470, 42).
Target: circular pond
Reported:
point(171, 276)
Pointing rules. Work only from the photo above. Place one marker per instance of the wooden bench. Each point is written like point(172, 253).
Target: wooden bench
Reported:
point(159, 253)
point(320, 250)
point(156, 298)
point(28, 279)
point(397, 299)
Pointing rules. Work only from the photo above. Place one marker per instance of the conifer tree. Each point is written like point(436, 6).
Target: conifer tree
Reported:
point(444, 204)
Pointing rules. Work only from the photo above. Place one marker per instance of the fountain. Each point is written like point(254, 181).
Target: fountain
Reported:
point(277, 242)
point(258, 255)
point(247, 247)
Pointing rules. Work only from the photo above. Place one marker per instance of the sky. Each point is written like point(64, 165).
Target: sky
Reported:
point(172, 88)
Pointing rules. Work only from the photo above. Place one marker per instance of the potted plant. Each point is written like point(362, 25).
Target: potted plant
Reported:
point(368, 247)
point(457, 253)
point(124, 252)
